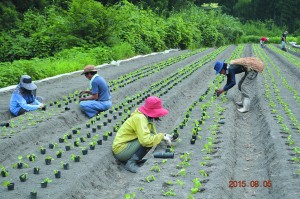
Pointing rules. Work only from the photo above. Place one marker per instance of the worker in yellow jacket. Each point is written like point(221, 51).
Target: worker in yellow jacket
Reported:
point(138, 134)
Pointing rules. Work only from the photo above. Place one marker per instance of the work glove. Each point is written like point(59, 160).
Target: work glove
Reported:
point(168, 139)
point(41, 105)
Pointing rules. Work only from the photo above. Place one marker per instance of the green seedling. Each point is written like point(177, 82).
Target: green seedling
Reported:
point(4, 172)
point(164, 161)
point(197, 185)
point(130, 196)
point(155, 168)
point(190, 197)
point(150, 178)
point(46, 180)
point(6, 183)
point(179, 182)
point(20, 162)
point(203, 163)
point(24, 176)
point(182, 172)
point(296, 150)
point(55, 171)
point(140, 188)
point(48, 157)
point(168, 193)
point(203, 173)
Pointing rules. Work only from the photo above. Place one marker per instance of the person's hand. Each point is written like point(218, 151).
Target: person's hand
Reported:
point(168, 139)
point(219, 92)
point(41, 105)
point(82, 99)
point(81, 93)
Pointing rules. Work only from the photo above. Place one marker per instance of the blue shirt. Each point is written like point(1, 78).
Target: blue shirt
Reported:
point(100, 86)
point(26, 101)
point(230, 73)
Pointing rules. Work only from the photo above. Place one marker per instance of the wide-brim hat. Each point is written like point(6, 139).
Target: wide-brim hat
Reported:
point(26, 82)
point(218, 67)
point(153, 107)
point(89, 68)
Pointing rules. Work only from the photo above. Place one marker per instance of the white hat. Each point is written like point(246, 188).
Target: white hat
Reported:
point(26, 82)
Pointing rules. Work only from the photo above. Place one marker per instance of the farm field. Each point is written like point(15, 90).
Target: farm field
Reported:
point(235, 155)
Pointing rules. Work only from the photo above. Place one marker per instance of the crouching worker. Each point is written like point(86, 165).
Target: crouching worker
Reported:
point(250, 66)
point(138, 134)
point(262, 41)
point(24, 98)
point(99, 98)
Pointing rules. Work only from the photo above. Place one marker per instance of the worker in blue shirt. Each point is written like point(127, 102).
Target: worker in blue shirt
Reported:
point(24, 98)
point(245, 85)
point(99, 98)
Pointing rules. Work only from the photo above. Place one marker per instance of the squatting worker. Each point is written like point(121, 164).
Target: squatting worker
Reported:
point(262, 41)
point(99, 98)
point(247, 85)
point(138, 134)
point(24, 98)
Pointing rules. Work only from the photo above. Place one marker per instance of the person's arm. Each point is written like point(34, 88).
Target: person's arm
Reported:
point(93, 93)
point(143, 133)
point(230, 80)
point(22, 102)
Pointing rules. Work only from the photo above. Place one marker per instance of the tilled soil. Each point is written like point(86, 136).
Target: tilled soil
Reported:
point(250, 151)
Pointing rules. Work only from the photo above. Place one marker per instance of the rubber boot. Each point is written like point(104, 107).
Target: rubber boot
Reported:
point(131, 164)
point(246, 105)
point(239, 103)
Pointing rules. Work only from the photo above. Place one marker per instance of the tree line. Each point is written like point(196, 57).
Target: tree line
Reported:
point(42, 28)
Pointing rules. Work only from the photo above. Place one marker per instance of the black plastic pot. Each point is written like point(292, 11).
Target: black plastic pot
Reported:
point(77, 159)
point(58, 155)
point(94, 130)
point(88, 135)
point(82, 139)
point(99, 142)
point(163, 155)
point(92, 147)
point(88, 125)
point(74, 131)
point(44, 108)
point(43, 151)
point(59, 105)
point(120, 113)
point(67, 108)
point(3, 173)
point(44, 184)
point(33, 195)
point(22, 178)
point(61, 140)
point(66, 166)
point(11, 186)
point(51, 146)
point(110, 133)
point(84, 152)
point(76, 144)
point(105, 115)
point(69, 136)
point(110, 111)
point(68, 148)
point(104, 123)
point(109, 120)
point(20, 165)
point(194, 137)
point(36, 170)
point(99, 126)
point(48, 161)
point(115, 117)
point(104, 137)
point(6, 124)
point(57, 175)
point(193, 141)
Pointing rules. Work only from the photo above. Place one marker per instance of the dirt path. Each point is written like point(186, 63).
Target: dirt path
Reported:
point(245, 147)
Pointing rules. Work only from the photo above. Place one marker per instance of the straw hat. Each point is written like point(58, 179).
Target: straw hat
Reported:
point(26, 82)
point(89, 68)
point(153, 107)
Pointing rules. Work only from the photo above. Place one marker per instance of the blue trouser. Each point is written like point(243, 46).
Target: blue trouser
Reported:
point(92, 107)
point(283, 45)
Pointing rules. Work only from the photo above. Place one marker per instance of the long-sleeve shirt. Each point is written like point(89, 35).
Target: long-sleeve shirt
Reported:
point(263, 39)
point(231, 71)
point(136, 127)
point(26, 101)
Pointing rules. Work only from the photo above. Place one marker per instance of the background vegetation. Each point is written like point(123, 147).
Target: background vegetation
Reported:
point(45, 38)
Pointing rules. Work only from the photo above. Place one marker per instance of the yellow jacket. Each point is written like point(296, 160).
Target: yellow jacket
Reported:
point(136, 127)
